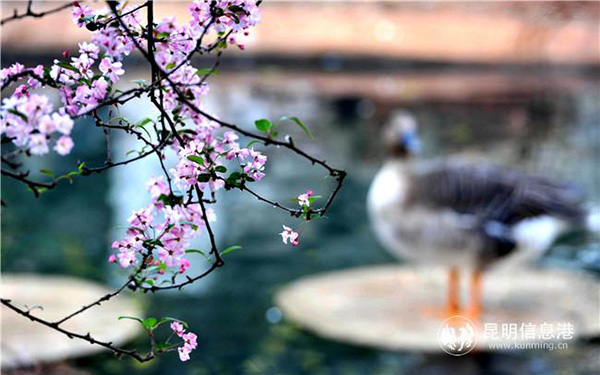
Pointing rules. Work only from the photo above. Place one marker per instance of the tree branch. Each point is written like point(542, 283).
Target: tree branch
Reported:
point(70, 334)
point(31, 13)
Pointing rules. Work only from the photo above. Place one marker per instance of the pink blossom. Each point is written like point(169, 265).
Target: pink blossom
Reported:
point(98, 90)
point(89, 49)
point(38, 144)
point(177, 328)
point(63, 145)
point(83, 63)
point(141, 218)
point(237, 152)
point(175, 238)
point(256, 166)
point(47, 125)
point(190, 340)
point(64, 123)
point(16, 68)
point(157, 187)
point(111, 69)
point(127, 258)
point(129, 244)
point(303, 198)
point(80, 12)
point(112, 258)
point(184, 353)
point(170, 256)
point(21, 91)
point(60, 74)
point(230, 137)
point(289, 234)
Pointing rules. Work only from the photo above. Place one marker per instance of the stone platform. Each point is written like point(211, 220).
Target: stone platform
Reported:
point(384, 307)
point(26, 343)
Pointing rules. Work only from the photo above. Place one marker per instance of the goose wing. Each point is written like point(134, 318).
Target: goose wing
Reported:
point(494, 194)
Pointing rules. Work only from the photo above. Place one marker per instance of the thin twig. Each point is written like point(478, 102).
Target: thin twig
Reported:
point(31, 13)
point(87, 337)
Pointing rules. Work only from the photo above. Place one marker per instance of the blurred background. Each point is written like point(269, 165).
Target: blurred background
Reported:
point(514, 83)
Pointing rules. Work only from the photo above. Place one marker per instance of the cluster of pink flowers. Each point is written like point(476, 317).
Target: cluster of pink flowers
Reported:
point(82, 89)
point(24, 116)
point(106, 33)
point(28, 118)
point(29, 121)
point(190, 341)
point(200, 164)
point(304, 201)
point(236, 15)
point(161, 230)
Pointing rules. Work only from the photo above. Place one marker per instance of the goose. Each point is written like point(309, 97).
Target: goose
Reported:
point(462, 215)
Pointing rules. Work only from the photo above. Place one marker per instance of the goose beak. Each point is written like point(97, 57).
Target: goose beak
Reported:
point(411, 142)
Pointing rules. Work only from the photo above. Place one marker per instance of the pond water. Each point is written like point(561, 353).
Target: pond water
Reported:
point(240, 331)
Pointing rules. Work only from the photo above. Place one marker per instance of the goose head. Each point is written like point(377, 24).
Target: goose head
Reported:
point(400, 136)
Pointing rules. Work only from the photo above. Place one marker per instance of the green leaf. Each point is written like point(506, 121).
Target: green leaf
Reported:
point(170, 200)
point(206, 71)
point(47, 172)
point(171, 65)
point(66, 177)
point(298, 122)
point(68, 66)
point(165, 319)
point(237, 9)
point(149, 323)
point(163, 35)
point(188, 251)
point(253, 142)
point(189, 223)
point(15, 112)
point(236, 19)
point(206, 257)
point(230, 249)
point(263, 125)
point(313, 199)
point(221, 169)
point(143, 122)
point(131, 318)
point(196, 159)
point(203, 177)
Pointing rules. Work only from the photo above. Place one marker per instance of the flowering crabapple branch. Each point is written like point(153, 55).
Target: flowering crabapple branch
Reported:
point(209, 154)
